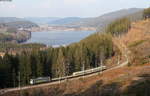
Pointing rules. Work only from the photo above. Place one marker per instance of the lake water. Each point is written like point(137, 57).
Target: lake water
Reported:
point(57, 38)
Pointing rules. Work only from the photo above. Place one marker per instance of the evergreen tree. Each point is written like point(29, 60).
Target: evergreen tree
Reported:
point(6, 71)
point(60, 65)
point(39, 66)
point(25, 68)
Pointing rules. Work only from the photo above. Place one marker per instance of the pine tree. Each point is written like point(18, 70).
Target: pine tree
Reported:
point(60, 65)
point(25, 68)
point(39, 66)
point(6, 71)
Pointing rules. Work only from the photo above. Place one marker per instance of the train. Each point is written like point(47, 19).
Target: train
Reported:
point(40, 80)
point(75, 74)
point(89, 71)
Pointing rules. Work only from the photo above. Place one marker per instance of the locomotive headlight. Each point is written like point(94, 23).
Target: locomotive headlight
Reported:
point(31, 81)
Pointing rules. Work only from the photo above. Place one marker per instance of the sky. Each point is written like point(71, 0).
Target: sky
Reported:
point(66, 8)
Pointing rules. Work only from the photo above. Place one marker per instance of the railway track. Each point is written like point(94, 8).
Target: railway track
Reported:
point(60, 80)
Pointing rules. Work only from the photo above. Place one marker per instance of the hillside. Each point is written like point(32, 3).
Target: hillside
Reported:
point(131, 80)
point(16, 22)
point(21, 24)
point(138, 40)
point(9, 19)
point(63, 21)
point(11, 34)
point(42, 20)
point(101, 21)
point(52, 20)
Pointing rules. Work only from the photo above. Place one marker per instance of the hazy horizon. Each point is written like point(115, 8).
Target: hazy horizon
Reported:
point(66, 8)
point(67, 16)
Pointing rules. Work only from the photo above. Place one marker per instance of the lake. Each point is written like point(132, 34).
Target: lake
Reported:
point(57, 38)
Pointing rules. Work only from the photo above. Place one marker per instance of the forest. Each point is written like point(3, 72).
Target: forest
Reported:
point(54, 62)
point(119, 27)
point(9, 46)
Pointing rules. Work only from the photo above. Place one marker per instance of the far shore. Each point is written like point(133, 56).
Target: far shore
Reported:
point(61, 28)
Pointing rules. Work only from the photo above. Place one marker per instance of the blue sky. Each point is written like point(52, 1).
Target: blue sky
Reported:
point(66, 8)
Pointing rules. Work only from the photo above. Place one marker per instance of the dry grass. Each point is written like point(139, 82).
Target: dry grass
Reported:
point(139, 31)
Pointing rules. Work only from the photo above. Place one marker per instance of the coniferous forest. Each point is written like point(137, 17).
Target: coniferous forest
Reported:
point(55, 62)
point(119, 27)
